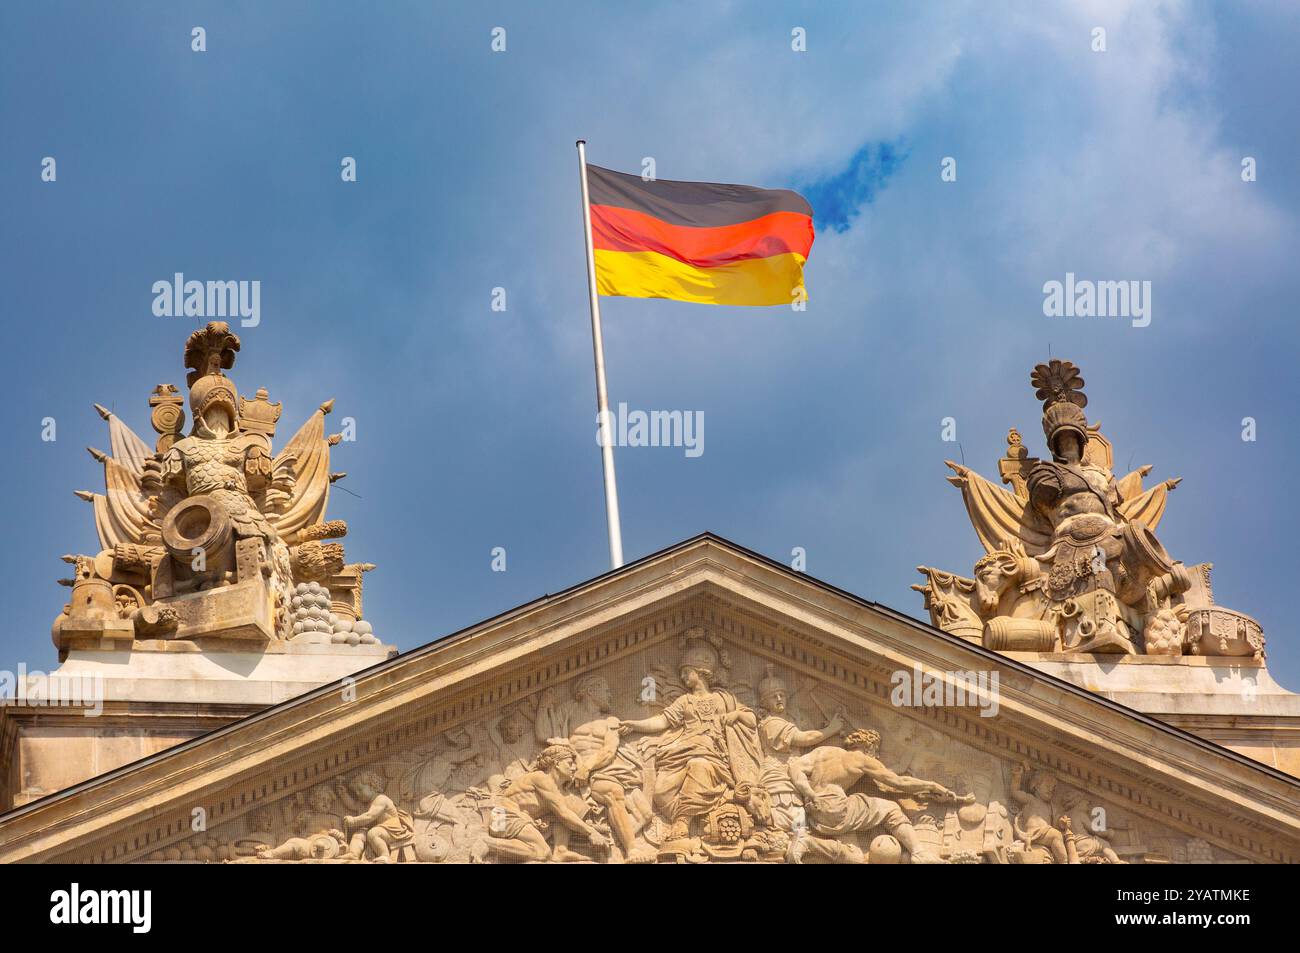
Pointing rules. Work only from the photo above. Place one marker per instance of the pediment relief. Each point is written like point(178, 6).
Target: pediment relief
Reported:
point(692, 748)
point(699, 715)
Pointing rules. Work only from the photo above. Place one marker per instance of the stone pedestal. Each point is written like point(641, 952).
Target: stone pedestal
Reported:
point(1233, 702)
point(104, 708)
point(242, 611)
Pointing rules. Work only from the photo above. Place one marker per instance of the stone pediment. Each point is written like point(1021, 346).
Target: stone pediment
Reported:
point(701, 704)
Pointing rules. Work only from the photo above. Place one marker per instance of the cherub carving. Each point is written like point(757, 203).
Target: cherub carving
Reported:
point(1034, 822)
point(324, 846)
point(381, 827)
point(320, 812)
point(1084, 843)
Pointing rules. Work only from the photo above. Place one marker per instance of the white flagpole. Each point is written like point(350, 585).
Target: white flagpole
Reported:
point(602, 396)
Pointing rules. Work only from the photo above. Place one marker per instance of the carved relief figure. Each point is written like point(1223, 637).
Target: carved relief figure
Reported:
point(778, 733)
point(461, 758)
point(382, 827)
point(518, 818)
point(707, 747)
point(514, 749)
point(781, 736)
point(320, 813)
point(1084, 843)
point(825, 775)
point(326, 846)
point(1035, 820)
point(610, 772)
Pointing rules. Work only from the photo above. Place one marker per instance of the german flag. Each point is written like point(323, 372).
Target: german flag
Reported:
point(697, 241)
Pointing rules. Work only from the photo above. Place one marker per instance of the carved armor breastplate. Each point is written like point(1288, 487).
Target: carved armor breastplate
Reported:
point(1060, 491)
point(213, 465)
point(215, 468)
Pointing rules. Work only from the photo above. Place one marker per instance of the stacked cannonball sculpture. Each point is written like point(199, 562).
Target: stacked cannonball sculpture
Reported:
point(353, 633)
point(313, 622)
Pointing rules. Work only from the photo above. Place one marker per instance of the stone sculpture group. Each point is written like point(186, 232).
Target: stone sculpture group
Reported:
point(1072, 563)
point(211, 534)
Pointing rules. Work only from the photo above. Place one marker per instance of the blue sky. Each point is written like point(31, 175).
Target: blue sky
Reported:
point(476, 428)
